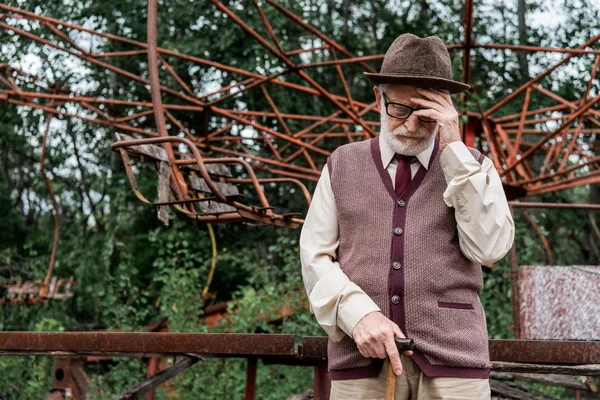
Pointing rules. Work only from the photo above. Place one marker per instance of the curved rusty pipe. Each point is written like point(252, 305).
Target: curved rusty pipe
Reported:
point(159, 115)
point(44, 287)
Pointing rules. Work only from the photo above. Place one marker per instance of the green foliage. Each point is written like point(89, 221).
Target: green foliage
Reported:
point(181, 269)
point(114, 379)
point(274, 283)
point(26, 377)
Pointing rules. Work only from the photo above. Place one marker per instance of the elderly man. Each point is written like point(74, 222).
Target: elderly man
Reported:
point(394, 239)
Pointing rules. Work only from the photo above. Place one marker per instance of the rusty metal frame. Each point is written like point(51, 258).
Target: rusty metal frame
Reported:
point(502, 133)
point(566, 357)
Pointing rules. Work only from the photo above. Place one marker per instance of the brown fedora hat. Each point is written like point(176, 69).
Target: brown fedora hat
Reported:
point(412, 60)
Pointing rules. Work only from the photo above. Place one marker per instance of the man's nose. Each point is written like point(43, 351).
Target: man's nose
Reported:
point(413, 123)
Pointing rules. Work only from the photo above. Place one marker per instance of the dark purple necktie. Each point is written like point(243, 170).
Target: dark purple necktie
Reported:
point(403, 174)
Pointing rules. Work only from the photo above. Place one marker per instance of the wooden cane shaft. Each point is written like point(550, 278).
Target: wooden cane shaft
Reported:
point(390, 383)
point(402, 344)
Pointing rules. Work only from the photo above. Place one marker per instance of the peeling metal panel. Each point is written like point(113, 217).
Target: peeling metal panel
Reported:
point(163, 192)
point(560, 302)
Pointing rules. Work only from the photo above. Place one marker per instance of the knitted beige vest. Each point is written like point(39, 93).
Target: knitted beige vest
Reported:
point(404, 253)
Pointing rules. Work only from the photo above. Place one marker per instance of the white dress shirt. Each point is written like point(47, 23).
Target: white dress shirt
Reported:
point(485, 230)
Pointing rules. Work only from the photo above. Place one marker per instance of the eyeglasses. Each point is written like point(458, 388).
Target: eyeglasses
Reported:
point(402, 111)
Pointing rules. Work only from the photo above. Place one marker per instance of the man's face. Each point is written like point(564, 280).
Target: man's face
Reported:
point(405, 136)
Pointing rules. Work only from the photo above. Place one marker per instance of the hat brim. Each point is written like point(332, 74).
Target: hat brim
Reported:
point(418, 80)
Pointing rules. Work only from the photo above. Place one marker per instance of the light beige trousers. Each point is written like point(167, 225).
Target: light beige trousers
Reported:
point(411, 384)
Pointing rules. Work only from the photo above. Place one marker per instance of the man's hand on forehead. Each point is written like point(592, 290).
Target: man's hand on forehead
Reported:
point(438, 106)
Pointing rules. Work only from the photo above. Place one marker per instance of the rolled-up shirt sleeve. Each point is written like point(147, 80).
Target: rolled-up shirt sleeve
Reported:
point(484, 221)
point(337, 303)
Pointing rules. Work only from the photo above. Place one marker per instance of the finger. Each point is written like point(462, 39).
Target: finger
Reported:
point(429, 112)
point(363, 351)
point(427, 103)
point(392, 351)
point(371, 351)
point(380, 350)
point(440, 97)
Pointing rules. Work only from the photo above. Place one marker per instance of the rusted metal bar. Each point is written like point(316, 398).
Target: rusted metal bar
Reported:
point(322, 381)
point(250, 391)
point(152, 365)
point(533, 204)
point(283, 346)
point(69, 376)
point(555, 368)
point(514, 286)
point(150, 343)
point(546, 351)
point(535, 48)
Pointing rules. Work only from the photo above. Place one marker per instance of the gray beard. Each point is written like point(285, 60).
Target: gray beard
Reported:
point(406, 146)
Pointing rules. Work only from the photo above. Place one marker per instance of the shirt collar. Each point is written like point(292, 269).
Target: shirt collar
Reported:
point(387, 153)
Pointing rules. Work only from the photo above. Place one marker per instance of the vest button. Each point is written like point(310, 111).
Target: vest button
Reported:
point(395, 299)
point(401, 203)
point(398, 231)
point(396, 265)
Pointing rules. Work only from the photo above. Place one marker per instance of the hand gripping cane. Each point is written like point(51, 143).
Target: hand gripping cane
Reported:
point(403, 345)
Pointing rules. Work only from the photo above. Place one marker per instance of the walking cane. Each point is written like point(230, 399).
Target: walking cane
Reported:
point(403, 345)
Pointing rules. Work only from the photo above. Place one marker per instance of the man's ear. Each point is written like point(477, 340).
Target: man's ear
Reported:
point(377, 95)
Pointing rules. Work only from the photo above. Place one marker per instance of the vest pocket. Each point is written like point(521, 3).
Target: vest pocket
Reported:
point(465, 306)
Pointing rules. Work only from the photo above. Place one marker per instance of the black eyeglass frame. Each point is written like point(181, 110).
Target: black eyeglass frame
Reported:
point(386, 103)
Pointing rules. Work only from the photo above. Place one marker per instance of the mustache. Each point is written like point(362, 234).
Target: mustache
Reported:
point(401, 131)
